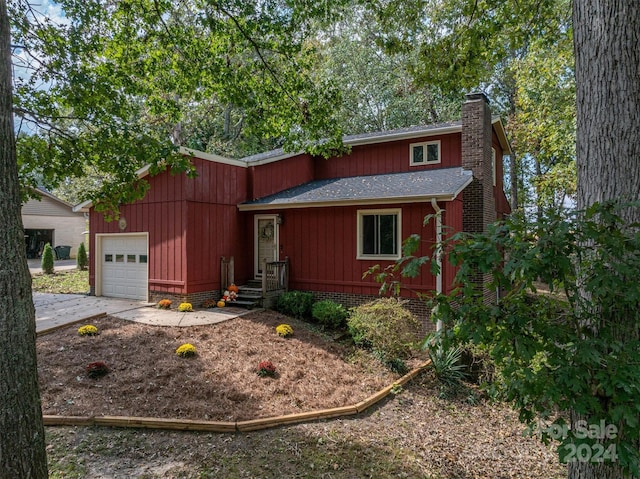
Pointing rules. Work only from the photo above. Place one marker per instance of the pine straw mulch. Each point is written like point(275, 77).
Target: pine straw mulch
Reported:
point(147, 378)
point(416, 433)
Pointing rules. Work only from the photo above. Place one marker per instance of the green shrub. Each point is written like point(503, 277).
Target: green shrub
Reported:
point(396, 365)
point(47, 259)
point(385, 326)
point(329, 314)
point(81, 259)
point(295, 303)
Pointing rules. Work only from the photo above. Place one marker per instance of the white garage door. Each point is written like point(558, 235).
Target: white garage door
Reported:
point(124, 266)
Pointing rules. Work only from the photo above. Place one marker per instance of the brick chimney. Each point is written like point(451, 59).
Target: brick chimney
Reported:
point(479, 202)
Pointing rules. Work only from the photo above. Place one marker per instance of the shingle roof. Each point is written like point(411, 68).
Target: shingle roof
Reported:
point(419, 185)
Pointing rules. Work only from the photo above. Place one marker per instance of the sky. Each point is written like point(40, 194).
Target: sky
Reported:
point(21, 61)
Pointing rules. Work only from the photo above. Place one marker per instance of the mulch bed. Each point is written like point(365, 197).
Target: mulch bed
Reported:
point(147, 378)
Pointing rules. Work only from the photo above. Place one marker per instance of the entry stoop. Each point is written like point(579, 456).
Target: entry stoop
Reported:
point(249, 296)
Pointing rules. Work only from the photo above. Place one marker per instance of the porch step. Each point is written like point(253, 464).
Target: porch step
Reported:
point(243, 304)
point(248, 297)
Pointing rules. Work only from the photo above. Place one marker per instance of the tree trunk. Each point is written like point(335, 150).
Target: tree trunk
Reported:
point(513, 180)
point(607, 44)
point(22, 445)
point(607, 49)
point(538, 176)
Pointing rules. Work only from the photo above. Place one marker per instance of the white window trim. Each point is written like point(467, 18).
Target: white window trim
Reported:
point(394, 211)
point(425, 144)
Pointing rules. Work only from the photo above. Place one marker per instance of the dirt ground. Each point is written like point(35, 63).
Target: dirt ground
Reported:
point(417, 433)
point(414, 434)
point(148, 379)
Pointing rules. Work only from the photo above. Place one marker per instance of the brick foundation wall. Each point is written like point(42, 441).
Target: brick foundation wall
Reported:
point(417, 307)
point(196, 299)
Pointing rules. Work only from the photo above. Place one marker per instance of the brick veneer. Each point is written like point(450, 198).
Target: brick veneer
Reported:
point(417, 307)
point(479, 202)
point(195, 299)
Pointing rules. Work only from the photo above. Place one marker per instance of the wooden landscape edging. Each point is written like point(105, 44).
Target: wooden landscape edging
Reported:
point(237, 426)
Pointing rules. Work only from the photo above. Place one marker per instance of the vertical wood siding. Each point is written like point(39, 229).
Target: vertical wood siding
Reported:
point(186, 219)
point(193, 222)
point(452, 223)
point(274, 177)
point(215, 224)
point(387, 158)
point(321, 244)
point(502, 205)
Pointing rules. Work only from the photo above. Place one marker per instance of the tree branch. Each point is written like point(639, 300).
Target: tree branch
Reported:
point(258, 51)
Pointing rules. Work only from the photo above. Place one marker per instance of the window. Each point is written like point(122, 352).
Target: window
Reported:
point(379, 234)
point(108, 258)
point(142, 258)
point(424, 153)
point(131, 258)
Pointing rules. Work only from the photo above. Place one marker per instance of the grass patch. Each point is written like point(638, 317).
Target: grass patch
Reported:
point(64, 460)
point(69, 281)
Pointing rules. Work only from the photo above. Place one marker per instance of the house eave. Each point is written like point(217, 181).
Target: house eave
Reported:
point(498, 126)
point(212, 157)
point(405, 135)
point(351, 202)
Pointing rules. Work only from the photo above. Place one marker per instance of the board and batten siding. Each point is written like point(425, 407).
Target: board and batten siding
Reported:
point(274, 177)
point(215, 226)
point(391, 157)
point(321, 244)
point(186, 220)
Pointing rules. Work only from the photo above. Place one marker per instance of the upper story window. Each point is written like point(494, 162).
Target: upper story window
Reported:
point(424, 153)
point(379, 234)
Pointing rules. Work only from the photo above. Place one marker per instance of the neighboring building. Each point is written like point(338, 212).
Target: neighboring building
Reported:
point(331, 219)
point(51, 220)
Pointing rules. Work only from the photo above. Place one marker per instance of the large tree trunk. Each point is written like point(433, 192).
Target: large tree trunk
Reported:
point(22, 445)
point(607, 48)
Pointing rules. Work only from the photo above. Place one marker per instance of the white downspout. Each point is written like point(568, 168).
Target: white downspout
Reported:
point(438, 211)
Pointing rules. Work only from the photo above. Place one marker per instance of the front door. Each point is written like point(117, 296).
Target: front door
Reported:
point(266, 241)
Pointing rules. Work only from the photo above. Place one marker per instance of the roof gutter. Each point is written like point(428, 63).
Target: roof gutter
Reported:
point(356, 202)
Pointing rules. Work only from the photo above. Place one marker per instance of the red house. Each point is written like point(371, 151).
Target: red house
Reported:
point(317, 224)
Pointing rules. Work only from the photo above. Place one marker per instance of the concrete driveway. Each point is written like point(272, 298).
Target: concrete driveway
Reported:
point(54, 310)
point(35, 265)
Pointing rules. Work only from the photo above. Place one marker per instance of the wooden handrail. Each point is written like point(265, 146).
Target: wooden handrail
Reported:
point(275, 276)
point(227, 274)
